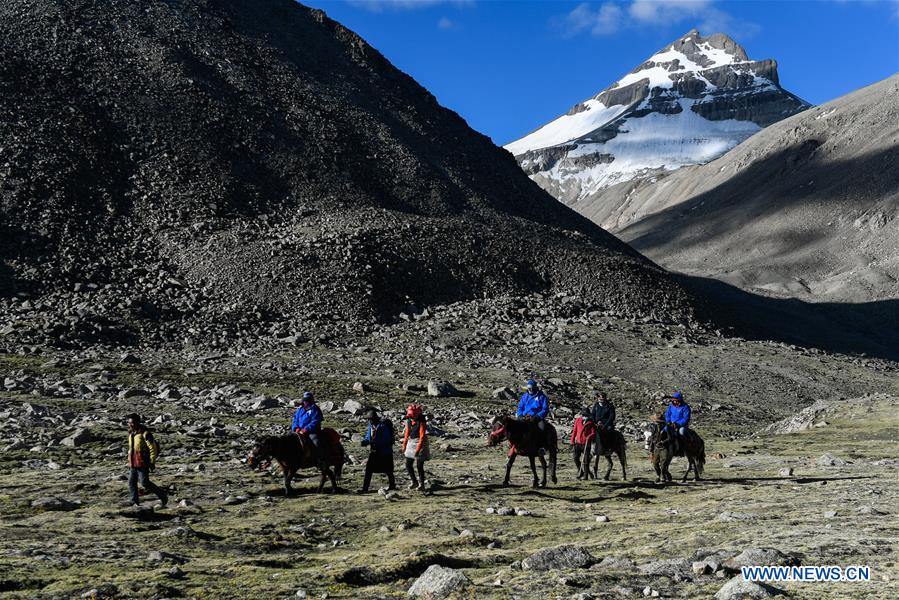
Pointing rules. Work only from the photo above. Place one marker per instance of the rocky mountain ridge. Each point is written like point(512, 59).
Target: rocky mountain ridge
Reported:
point(687, 104)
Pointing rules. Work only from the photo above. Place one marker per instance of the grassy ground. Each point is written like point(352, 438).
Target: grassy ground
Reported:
point(266, 545)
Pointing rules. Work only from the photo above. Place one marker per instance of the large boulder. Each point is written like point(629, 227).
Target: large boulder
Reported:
point(441, 389)
point(740, 589)
point(438, 582)
point(79, 438)
point(566, 556)
point(354, 407)
point(760, 557)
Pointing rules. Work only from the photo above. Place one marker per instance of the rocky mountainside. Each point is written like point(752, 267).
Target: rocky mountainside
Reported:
point(203, 171)
point(808, 208)
point(687, 104)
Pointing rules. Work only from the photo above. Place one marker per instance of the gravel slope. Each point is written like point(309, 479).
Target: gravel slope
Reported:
point(225, 169)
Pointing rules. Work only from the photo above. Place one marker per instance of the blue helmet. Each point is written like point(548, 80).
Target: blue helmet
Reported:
point(308, 397)
point(531, 383)
point(678, 395)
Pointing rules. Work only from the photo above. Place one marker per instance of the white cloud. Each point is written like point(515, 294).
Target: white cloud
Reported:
point(610, 17)
point(662, 12)
point(382, 5)
point(445, 23)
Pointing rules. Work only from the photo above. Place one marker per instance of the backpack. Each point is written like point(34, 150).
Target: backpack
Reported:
point(152, 444)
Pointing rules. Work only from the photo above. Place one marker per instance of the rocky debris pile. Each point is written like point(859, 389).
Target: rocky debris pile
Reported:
point(804, 419)
point(348, 197)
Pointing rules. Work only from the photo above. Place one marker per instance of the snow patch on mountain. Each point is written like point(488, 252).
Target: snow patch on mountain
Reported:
point(687, 104)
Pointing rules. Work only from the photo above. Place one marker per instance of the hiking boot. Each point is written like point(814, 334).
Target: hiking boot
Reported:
point(413, 485)
point(163, 498)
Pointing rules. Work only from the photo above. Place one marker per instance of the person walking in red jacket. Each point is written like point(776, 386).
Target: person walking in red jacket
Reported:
point(416, 448)
point(583, 435)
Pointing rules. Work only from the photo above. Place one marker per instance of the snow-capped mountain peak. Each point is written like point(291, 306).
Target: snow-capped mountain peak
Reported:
point(688, 103)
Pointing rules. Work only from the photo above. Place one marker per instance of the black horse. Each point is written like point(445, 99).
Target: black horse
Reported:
point(613, 442)
point(525, 440)
point(294, 453)
point(663, 447)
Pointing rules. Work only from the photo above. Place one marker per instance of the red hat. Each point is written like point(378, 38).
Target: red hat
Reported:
point(413, 411)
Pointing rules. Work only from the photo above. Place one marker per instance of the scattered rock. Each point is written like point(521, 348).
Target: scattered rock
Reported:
point(441, 389)
point(739, 589)
point(566, 556)
point(354, 407)
point(760, 556)
point(79, 438)
point(360, 387)
point(828, 460)
point(52, 503)
point(669, 567)
point(264, 402)
point(438, 582)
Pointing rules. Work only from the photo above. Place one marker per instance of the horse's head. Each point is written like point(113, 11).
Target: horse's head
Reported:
point(653, 432)
point(648, 434)
point(497, 431)
point(260, 455)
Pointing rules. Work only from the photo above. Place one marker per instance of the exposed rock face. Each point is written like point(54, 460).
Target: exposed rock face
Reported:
point(689, 103)
point(807, 208)
point(211, 170)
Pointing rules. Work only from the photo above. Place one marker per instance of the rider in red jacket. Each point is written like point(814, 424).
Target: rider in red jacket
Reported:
point(583, 435)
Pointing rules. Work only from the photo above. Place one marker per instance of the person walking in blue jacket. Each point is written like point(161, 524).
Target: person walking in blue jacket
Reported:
point(307, 421)
point(379, 438)
point(677, 416)
point(534, 406)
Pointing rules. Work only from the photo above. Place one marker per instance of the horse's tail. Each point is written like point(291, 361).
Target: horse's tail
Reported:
point(340, 459)
point(700, 458)
point(622, 451)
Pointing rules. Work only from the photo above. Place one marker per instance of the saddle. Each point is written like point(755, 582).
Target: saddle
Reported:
point(328, 440)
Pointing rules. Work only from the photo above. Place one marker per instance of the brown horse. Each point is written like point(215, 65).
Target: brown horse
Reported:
point(613, 443)
point(663, 448)
point(523, 438)
point(294, 453)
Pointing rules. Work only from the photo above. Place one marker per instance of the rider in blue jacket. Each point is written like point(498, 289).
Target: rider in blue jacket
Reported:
point(677, 416)
point(534, 405)
point(307, 421)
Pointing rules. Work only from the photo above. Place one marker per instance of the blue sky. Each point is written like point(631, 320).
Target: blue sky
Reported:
point(508, 67)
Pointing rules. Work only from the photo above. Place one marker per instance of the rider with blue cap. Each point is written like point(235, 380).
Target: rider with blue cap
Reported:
point(534, 406)
point(677, 416)
point(307, 421)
